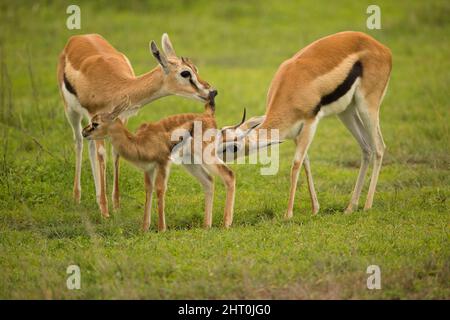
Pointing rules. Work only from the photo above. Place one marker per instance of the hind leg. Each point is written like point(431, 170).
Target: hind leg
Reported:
point(368, 108)
point(353, 123)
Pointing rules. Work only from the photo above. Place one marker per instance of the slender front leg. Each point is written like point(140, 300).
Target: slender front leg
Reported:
point(161, 186)
point(101, 158)
point(149, 182)
point(74, 119)
point(312, 191)
point(303, 141)
point(116, 193)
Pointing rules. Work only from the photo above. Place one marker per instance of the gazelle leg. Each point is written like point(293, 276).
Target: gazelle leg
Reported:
point(161, 187)
point(115, 192)
point(303, 141)
point(377, 161)
point(312, 191)
point(101, 158)
point(208, 186)
point(353, 123)
point(94, 166)
point(229, 181)
point(74, 119)
point(368, 111)
point(116, 170)
point(149, 181)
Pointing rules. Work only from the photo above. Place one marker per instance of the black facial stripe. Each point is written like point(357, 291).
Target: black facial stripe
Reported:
point(68, 85)
point(355, 72)
point(193, 83)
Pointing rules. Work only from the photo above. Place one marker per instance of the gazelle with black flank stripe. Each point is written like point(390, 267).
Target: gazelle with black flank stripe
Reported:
point(93, 75)
point(345, 74)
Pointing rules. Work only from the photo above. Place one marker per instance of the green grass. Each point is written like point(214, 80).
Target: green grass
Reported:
point(237, 47)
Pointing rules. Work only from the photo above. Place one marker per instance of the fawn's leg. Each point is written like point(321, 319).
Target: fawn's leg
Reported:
point(149, 180)
point(229, 180)
point(161, 187)
point(116, 170)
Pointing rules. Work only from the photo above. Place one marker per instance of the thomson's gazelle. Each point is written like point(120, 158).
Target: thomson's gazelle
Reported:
point(92, 75)
point(345, 74)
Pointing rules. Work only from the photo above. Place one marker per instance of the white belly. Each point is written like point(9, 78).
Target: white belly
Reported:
point(73, 103)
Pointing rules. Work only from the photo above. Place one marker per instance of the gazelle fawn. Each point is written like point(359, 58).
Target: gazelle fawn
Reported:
point(345, 74)
point(93, 75)
point(150, 149)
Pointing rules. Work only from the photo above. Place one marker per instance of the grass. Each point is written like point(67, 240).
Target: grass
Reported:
point(237, 47)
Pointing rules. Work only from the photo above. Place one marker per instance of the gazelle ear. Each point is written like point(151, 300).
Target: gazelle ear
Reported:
point(122, 106)
point(159, 56)
point(167, 46)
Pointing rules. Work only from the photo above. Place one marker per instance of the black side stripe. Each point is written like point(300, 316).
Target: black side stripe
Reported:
point(355, 72)
point(69, 86)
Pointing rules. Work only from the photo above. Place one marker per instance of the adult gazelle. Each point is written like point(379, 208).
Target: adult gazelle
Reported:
point(93, 76)
point(345, 74)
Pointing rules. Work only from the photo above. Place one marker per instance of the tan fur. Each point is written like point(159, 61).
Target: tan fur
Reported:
point(150, 149)
point(100, 75)
point(315, 71)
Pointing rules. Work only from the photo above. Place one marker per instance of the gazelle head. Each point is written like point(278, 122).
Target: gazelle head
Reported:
point(237, 140)
point(180, 75)
point(97, 129)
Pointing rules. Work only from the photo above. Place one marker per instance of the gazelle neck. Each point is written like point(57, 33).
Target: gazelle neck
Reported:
point(122, 140)
point(146, 88)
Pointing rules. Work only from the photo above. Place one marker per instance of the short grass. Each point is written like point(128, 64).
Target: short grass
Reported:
point(237, 46)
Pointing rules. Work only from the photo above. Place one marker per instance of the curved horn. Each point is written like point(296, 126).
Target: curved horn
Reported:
point(242, 121)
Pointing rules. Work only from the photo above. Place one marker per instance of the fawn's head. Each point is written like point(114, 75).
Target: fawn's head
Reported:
point(97, 129)
point(180, 76)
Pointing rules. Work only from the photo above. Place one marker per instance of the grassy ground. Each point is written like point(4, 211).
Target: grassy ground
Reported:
point(237, 47)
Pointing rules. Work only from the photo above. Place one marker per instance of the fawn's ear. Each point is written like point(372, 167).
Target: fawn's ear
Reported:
point(122, 106)
point(167, 46)
point(159, 56)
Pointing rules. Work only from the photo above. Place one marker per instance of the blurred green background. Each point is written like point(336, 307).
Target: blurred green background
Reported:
point(237, 46)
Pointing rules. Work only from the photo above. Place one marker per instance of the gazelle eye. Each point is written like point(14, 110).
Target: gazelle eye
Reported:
point(185, 74)
point(94, 125)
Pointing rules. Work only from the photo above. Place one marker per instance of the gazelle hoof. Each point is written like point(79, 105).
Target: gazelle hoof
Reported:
point(288, 215)
point(315, 210)
point(116, 206)
point(76, 196)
